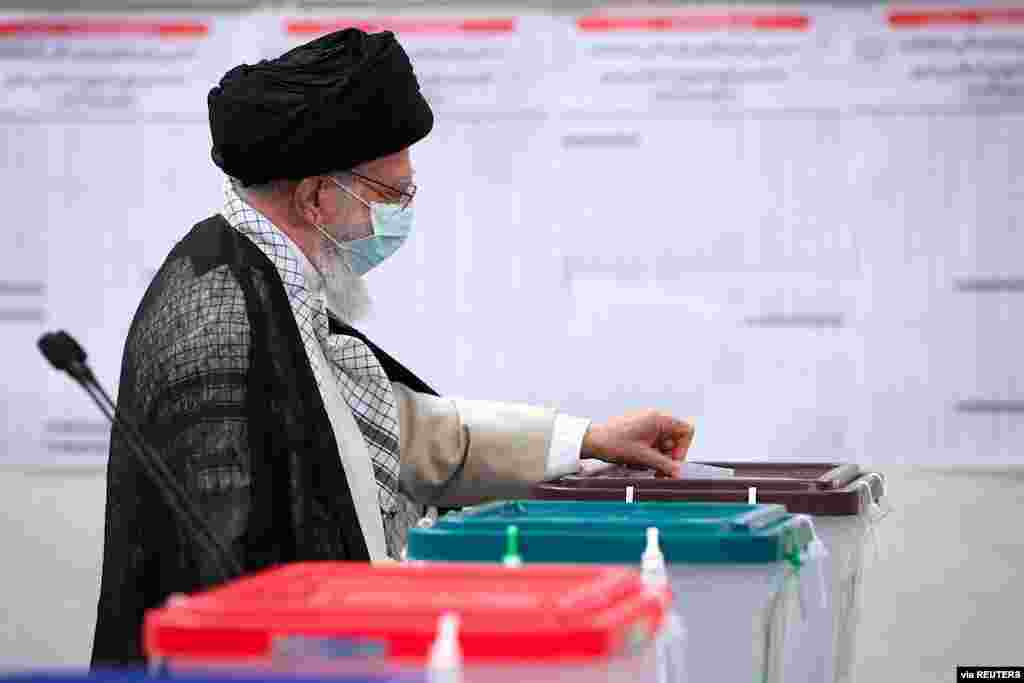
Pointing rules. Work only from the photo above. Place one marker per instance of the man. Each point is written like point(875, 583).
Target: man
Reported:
point(296, 437)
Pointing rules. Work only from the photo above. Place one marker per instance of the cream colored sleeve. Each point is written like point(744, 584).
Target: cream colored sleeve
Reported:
point(462, 452)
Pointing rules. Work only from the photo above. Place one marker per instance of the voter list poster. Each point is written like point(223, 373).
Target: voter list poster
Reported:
point(799, 225)
point(701, 251)
point(106, 146)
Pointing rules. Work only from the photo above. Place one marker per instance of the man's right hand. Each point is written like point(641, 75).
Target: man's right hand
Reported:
point(642, 439)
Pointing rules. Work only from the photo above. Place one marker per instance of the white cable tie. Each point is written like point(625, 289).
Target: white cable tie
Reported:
point(445, 653)
point(652, 562)
point(816, 555)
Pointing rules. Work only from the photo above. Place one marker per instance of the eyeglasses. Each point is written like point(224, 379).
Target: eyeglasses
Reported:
point(401, 198)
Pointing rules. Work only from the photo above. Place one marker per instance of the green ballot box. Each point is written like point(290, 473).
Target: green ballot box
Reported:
point(736, 570)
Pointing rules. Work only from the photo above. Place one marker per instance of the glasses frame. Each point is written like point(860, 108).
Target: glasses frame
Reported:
point(406, 195)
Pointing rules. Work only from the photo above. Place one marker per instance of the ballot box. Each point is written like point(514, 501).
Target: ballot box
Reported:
point(457, 622)
point(735, 570)
point(844, 502)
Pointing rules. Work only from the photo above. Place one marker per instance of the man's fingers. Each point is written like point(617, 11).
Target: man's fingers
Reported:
point(652, 459)
point(628, 441)
point(678, 433)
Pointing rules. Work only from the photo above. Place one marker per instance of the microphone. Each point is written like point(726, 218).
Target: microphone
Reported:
point(65, 354)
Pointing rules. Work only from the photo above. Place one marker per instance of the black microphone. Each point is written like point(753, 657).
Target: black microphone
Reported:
point(65, 354)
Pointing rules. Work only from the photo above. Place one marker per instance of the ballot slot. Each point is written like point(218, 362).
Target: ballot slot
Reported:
point(780, 476)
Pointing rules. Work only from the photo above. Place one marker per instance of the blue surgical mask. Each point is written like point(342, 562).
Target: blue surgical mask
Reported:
point(391, 227)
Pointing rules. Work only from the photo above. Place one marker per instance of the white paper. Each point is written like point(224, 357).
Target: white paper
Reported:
point(696, 470)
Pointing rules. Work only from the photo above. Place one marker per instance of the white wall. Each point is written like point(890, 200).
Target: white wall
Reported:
point(947, 586)
point(51, 539)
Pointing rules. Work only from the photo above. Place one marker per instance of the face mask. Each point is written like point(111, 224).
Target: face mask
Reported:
point(391, 227)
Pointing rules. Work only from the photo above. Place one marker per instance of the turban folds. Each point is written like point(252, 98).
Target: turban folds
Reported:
point(329, 105)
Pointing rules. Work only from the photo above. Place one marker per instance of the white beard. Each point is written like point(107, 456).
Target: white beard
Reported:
point(347, 294)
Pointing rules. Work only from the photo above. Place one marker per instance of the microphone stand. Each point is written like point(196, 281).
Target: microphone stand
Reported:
point(65, 354)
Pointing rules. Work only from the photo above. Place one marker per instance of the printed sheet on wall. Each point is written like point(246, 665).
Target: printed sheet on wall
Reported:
point(800, 225)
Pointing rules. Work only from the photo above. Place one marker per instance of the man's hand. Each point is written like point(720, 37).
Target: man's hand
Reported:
point(645, 439)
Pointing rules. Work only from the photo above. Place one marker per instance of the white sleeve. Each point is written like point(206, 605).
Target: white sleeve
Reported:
point(566, 443)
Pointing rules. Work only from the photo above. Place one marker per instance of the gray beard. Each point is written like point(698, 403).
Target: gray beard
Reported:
point(347, 294)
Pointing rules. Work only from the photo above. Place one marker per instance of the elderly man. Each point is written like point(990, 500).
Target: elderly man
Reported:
point(296, 437)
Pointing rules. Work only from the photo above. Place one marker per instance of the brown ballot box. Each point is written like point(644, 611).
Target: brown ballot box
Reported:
point(844, 501)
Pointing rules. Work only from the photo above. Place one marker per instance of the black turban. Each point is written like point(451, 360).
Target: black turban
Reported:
point(329, 105)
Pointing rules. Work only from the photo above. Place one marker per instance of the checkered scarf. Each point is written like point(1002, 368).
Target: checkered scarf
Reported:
point(363, 383)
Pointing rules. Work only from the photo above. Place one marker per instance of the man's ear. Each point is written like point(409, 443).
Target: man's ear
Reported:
point(307, 199)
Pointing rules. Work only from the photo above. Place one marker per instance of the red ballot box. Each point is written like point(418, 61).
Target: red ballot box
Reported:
point(538, 623)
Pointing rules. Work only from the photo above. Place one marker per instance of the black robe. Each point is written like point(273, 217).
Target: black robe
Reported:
point(216, 376)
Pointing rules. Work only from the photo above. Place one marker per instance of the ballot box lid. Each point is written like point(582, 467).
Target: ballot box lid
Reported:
point(808, 488)
point(613, 533)
point(537, 613)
